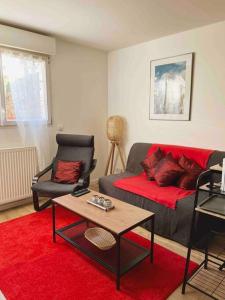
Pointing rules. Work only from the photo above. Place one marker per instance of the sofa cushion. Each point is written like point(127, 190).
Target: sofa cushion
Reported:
point(150, 162)
point(167, 196)
point(50, 187)
point(192, 171)
point(168, 171)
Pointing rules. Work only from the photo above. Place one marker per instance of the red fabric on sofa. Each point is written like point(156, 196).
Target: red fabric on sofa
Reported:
point(167, 196)
point(200, 156)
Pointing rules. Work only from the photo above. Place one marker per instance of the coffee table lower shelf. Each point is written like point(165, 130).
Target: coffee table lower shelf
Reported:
point(121, 258)
point(130, 252)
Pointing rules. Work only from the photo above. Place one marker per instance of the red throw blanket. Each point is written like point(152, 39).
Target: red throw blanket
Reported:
point(167, 196)
point(200, 156)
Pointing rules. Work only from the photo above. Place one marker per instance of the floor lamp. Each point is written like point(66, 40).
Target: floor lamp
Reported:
point(114, 134)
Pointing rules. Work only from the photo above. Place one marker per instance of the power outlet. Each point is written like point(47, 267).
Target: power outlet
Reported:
point(60, 127)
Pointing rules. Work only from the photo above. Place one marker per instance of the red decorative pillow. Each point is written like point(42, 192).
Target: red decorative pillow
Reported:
point(192, 171)
point(67, 171)
point(150, 163)
point(168, 171)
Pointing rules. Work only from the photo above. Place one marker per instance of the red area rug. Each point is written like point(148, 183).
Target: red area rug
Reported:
point(33, 267)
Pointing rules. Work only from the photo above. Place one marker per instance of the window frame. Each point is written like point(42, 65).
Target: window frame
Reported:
point(46, 58)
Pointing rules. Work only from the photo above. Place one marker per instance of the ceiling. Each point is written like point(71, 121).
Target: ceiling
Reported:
point(110, 24)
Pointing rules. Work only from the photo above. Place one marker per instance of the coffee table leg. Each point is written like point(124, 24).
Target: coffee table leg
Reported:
point(53, 222)
point(222, 266)
point(118, 263)
point(152, 239)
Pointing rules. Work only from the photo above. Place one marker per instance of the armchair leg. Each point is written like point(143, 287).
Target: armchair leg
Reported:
point(35, 201)
point(38, 207)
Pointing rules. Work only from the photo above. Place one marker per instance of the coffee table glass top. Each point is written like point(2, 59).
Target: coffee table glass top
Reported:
point(118, 220)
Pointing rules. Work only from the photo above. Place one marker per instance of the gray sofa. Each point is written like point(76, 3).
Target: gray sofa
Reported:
point(170, 223)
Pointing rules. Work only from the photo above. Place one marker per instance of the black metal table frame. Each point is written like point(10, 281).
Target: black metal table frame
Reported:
point(208, 175)
point(118, 237)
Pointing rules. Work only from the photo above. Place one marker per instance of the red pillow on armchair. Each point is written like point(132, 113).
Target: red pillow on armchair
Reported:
point(67, 171)
point(150, 162)
point(192, 170)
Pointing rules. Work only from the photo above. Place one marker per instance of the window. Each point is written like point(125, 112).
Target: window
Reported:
point(23, 87)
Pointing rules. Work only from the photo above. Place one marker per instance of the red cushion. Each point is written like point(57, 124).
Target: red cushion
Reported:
point(167, 196)
point(192, 171)
point(67, 171)
point(150, 162)
point(167, 171)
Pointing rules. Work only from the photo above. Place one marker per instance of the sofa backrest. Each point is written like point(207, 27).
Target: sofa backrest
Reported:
point(139, 151)
point(199, 155)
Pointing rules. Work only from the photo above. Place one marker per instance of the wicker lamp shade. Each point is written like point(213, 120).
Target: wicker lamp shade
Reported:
point(114, 128)
point(114, 134)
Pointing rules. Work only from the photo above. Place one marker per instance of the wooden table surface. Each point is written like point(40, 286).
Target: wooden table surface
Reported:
point(121, 218)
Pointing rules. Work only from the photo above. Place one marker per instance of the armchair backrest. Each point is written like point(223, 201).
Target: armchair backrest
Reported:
point(75, 148)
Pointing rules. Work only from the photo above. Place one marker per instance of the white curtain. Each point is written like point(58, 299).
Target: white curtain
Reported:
point(26, 75)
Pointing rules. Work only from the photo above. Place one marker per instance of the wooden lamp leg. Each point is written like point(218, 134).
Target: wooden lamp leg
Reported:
point(112, 160)
point(108, 161)
point(121, 157)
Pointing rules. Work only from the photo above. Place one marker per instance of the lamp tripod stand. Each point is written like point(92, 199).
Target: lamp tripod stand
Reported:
point(110, 160)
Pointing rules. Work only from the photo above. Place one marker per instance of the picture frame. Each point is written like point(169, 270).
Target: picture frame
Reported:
point(170, 88)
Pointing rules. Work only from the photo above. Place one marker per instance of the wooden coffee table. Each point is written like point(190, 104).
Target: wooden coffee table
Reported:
point(126, 254)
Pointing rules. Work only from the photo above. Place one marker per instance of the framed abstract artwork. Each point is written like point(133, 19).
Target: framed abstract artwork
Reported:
point(170, 88)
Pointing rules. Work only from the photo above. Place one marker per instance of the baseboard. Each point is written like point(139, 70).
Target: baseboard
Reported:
point(15, 204)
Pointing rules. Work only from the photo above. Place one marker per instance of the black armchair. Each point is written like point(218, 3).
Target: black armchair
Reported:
point(70, 148)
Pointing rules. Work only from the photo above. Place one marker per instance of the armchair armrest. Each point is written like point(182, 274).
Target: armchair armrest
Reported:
point(41, 173)
point(93, 165)
point(83, 178)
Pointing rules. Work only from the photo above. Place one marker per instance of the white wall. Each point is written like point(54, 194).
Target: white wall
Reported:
point(9, 137)
point(129, 82)
point(79, 98)
point(79, 94)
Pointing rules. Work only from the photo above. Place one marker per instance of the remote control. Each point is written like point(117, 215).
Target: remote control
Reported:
point(80, 192)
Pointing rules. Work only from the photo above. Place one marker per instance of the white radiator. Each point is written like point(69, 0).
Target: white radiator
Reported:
point(17, 167)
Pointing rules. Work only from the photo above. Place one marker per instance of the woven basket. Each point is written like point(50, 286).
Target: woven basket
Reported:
point(100, 237)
